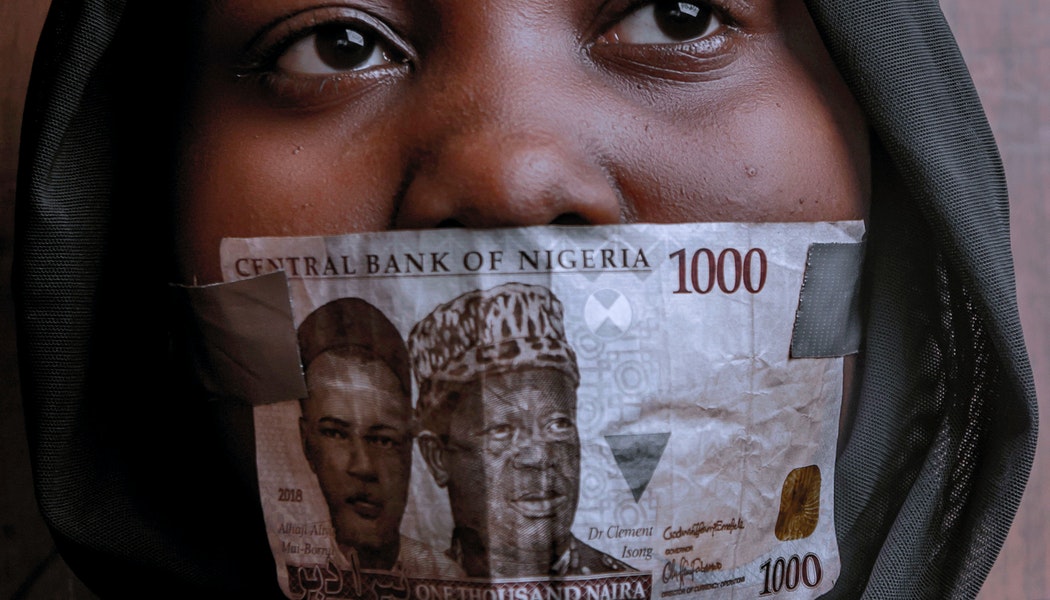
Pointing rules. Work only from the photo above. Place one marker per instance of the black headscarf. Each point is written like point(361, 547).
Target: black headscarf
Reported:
point(134, 474)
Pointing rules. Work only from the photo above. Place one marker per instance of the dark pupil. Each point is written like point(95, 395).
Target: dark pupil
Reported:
point(682, 21)
point(343, 48)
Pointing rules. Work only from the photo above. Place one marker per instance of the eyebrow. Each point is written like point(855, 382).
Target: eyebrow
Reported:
point(378, 428)
point(211, 5)
point(346, 424)
point(334, 421)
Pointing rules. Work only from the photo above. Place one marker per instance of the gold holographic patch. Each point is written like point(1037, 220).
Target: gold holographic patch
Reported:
point(799, 504)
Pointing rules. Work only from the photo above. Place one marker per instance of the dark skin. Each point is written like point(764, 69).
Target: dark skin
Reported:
point(356, 432)
point(511, 462)
point(487, 113)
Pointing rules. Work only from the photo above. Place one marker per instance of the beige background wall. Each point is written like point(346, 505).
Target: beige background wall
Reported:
point(1007, 46)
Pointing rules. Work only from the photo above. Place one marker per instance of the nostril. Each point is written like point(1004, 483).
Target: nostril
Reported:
point(493, 179)
point(570, 219)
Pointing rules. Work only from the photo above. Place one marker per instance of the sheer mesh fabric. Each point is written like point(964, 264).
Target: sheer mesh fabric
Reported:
point(945, 430)
point(927, 482)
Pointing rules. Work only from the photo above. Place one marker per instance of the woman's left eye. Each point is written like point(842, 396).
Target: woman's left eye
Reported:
point(337, 48)
point(665, 22)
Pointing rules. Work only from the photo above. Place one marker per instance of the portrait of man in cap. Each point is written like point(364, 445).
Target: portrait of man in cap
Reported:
point(357, 427)
point(497, 402)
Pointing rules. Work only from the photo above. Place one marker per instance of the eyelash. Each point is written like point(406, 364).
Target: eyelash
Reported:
point(692, 61)
point(677, 60)
point(266, 50)
point(617, 13)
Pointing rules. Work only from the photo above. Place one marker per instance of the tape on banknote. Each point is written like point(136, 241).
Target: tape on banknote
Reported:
point(242, 339)
point(828, 320)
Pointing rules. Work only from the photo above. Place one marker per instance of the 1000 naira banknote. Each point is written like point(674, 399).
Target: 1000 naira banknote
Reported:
point(572, 413)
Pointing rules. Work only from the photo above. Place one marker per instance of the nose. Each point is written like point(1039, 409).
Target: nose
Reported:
point(498, 179)
point(359, 461)
point(532, 452)
point(502, 142)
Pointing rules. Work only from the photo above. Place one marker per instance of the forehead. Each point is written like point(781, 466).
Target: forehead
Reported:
point(529, 391)
point(353, 389)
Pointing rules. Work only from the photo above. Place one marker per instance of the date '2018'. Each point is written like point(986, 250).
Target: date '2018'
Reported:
point(289, 495)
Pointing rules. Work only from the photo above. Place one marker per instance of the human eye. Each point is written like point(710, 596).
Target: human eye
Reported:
point(385, 437)
point(321, 54)
point(333, 433)
point(383, 441)
point(500, 433)
point(665, 22)
point(560, 426)
point(670, 41)
point(336, 48)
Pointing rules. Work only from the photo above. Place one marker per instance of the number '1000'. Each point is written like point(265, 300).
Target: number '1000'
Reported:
point(786, 574)
point(729, 271)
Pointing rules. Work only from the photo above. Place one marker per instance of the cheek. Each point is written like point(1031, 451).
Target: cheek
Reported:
point(476, 481)
point(774, 146)
point(395, 468)
point(785, 166)
point(332, 467)
point(567, 464)
point(246, 173)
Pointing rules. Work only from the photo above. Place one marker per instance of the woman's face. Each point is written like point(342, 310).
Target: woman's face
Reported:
point(312, 117)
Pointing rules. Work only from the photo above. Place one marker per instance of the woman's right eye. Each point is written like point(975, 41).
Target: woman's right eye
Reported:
point(337, 48)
